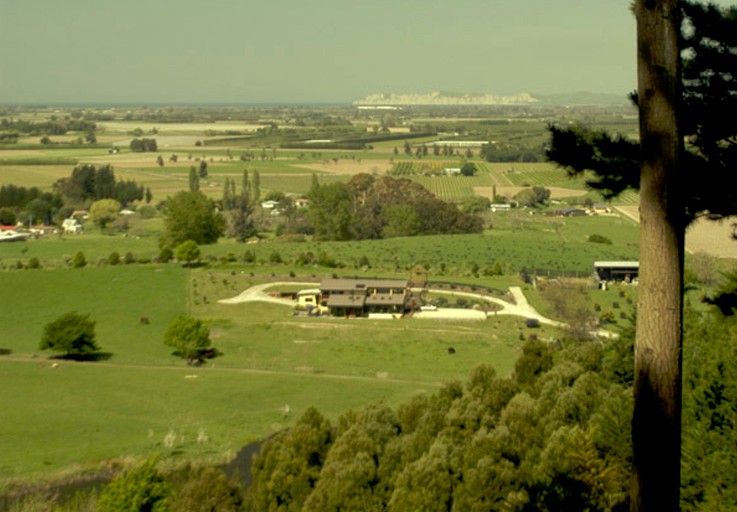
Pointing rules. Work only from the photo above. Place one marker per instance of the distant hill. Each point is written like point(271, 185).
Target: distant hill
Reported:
point(444, 98)
point(584, 98)
point(454, 98)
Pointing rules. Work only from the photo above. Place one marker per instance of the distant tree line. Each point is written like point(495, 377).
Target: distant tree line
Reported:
point(59, 127)
point(86, 185)
point(27, 204)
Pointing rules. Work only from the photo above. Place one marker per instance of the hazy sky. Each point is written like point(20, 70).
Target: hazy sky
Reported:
point(249, 51)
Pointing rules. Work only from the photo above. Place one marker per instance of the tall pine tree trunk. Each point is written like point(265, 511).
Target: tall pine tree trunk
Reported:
point(656, 426)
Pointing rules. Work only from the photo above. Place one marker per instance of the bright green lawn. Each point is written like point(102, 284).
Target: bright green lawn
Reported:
point(125, 405)
point(115, 297)
point(54, 250)
point(82, 414)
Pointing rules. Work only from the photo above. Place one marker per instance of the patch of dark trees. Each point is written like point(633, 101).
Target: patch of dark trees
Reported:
point(143, 145)
point(375, 207)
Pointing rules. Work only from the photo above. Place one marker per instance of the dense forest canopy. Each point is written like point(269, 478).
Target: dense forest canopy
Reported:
point(555, 436)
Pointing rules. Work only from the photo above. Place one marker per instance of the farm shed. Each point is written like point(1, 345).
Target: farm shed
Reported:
point(495, 207)
point(626, 271)
point(361, 297)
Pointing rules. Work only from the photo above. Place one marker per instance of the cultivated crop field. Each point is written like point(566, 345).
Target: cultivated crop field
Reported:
point(453, 188)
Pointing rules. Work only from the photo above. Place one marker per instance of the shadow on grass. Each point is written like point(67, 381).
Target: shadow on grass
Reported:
point(194, 264)
point(5, 351)
point(199, 358)
point(86, 358)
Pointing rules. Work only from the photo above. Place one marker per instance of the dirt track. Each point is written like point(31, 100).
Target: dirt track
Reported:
point(555, 192)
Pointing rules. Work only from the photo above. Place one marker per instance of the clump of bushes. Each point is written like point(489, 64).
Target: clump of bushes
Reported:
point(599, 239)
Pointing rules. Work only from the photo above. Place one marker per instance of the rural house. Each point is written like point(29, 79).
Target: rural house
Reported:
point(72, 226)
point(364, 297)
point(308, 299)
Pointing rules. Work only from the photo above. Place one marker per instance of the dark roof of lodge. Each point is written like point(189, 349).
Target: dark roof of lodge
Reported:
point(395, 299)
point(346, 300)
point(356, 284)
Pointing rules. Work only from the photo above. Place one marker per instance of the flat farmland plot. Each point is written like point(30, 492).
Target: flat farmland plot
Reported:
point(115, 297)
point(540, 174)
point(41, 176)
point(174, 128)
point(453, 188)
point(296, 183)
point(53, 250)
point(517, 241)
point(277, 166)
point(80, 414)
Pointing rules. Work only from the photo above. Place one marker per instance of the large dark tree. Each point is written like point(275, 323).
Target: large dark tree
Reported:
point(191, 216)
point(687, 57)
point(71, 334)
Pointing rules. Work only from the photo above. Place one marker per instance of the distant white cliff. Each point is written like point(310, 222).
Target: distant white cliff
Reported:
point(445, 98)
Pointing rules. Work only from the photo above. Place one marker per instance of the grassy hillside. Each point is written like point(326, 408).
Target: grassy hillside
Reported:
point(81, 413)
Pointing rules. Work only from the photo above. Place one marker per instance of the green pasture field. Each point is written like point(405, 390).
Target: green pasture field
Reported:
point(115, 297)
point(72, 418)
point(537, 174)
point(79, 414)
point(37, 161)
point(532, 242)
point(298, 184)
point(41, 176)
point(517, 240)
point(619, 300)
point(54, 250)
point(51, 151)
point(83, 413)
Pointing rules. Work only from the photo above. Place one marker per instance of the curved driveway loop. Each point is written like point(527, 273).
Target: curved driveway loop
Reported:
point(257, 294)
point(522, 308)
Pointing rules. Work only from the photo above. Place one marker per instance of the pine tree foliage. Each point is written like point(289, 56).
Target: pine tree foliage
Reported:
point(556, 438)
point(133, 490)
point(611, 162)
